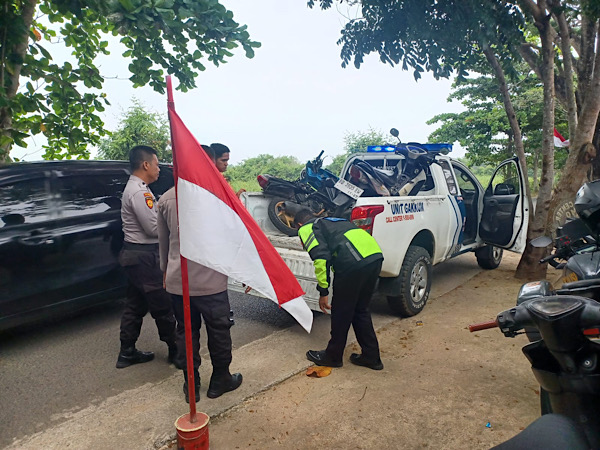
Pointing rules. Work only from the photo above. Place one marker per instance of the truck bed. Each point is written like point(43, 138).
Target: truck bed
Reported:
point(288, 247)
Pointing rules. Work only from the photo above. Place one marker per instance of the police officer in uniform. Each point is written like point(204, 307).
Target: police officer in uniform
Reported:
point(356, 259)
point(208, 302)
point(140, 260)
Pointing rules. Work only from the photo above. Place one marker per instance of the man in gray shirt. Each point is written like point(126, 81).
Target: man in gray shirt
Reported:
point(208, 301)
point(140, 261)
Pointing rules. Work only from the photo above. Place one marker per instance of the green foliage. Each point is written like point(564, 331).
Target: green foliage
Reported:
point(243, 175)
point(483, 129)
point(354, 143)
point(138, 127)
point(429, 35)
point(360, 140)
point(62, 100)
point(338, 162)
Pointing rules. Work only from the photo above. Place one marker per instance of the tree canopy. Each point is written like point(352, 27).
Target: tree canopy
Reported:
point(355, 142)
point(138, 126)
point(62, 100)
point(243, 175)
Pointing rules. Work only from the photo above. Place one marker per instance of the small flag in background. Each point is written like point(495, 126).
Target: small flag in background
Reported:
point(560, 141)
point(217, 231)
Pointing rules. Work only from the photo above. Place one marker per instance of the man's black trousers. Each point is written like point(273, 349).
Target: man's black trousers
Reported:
point(352, 294)
point(145, 293)
point(215, 311)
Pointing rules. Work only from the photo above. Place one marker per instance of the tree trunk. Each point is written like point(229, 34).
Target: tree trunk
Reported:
point(529, 267)
point(583, 152)
point(536, 163)
point(15, 47)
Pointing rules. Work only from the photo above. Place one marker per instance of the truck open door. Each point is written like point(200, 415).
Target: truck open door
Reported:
point(505, 213)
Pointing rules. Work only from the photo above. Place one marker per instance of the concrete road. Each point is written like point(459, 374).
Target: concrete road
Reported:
point(51, 371)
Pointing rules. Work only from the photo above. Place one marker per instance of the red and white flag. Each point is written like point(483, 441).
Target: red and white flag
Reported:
point(560, 141)
point(217, 231)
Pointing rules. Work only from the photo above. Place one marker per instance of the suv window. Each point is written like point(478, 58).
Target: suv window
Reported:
point(24, 201)
point(91, 193)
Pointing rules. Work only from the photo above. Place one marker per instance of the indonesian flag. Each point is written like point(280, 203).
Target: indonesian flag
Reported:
point(560, 141)
point(217, 231)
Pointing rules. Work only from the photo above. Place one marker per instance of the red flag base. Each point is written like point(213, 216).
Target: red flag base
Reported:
point(192, 436)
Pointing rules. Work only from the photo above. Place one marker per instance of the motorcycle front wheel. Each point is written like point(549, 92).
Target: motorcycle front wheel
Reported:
point(282, 220)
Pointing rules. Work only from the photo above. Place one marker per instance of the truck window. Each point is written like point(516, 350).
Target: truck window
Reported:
point(449, 177)
point(465, 182)
point(506, 181)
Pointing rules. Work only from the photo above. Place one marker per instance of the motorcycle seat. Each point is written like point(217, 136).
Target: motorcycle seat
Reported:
point(388, 177)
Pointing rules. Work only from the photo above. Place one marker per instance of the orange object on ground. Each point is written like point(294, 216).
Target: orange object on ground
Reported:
point(192, 436)
point(318, 371)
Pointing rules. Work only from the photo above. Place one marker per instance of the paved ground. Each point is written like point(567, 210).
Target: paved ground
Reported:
point(440, 387)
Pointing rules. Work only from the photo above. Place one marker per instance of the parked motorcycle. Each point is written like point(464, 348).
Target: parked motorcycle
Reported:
point(398, 182)
point(576, 252)
point(317, 189)
point(566, 363)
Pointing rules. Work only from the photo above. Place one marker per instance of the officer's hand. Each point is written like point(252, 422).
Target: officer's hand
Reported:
point(324, 304)
point(165, 279)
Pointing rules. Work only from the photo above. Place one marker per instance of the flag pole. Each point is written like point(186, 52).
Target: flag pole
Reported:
point(184, 281)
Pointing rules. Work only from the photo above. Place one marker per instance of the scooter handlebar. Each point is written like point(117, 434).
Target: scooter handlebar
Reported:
point(483, 325)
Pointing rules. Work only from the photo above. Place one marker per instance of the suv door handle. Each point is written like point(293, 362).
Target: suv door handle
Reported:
point(36, 240)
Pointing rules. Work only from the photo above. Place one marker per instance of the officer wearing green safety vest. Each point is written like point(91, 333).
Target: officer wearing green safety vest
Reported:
point(356, 259)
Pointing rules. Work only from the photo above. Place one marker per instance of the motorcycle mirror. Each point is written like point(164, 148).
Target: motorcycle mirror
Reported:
point(394, 132)
point(541, 242)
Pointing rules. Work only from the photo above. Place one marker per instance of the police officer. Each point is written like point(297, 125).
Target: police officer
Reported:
point(356, 259)
point(208, 301)
point(140, 261)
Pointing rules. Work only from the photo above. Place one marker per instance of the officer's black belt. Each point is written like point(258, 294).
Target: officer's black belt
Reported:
point(142, 247)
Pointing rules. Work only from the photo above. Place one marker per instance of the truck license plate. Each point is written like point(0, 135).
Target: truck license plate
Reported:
point(348, 188)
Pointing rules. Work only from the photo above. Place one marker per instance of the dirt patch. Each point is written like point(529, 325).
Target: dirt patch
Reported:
point(442, 386)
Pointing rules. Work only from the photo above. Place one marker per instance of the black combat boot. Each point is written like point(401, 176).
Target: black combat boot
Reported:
point(172, 356)
point(196, 387)
point(221, 381)
point(131, 355)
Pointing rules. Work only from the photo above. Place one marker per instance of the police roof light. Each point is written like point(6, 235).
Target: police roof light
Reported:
point(381, 149)
point(392, 148)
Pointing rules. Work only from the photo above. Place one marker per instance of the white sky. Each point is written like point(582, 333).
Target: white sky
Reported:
point(293, 97)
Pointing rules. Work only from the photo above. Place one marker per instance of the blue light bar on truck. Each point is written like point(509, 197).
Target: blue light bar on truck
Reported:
point(381, 149)
point(392, 148)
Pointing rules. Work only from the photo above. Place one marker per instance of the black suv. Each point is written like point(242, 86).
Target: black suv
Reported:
point(60, 235)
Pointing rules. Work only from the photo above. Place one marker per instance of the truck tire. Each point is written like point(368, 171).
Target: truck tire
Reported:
point(489, 257)
point(281, 219)
point(415, 278)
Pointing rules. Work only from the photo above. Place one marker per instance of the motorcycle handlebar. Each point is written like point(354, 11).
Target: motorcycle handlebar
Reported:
point(483, 325)
point(549, 259)
point(320, 154)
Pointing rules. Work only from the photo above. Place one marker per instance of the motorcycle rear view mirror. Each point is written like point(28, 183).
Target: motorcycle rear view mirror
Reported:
point(541, 242)
point(395, 133)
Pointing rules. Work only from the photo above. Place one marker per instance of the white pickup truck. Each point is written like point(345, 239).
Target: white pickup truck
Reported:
point(449, 215)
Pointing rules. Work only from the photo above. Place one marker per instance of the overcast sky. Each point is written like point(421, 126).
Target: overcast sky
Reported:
point(293, 97)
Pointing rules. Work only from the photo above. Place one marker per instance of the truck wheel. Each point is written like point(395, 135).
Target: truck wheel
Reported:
point(415, 278)
point(489, 257)
point(282, 219)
